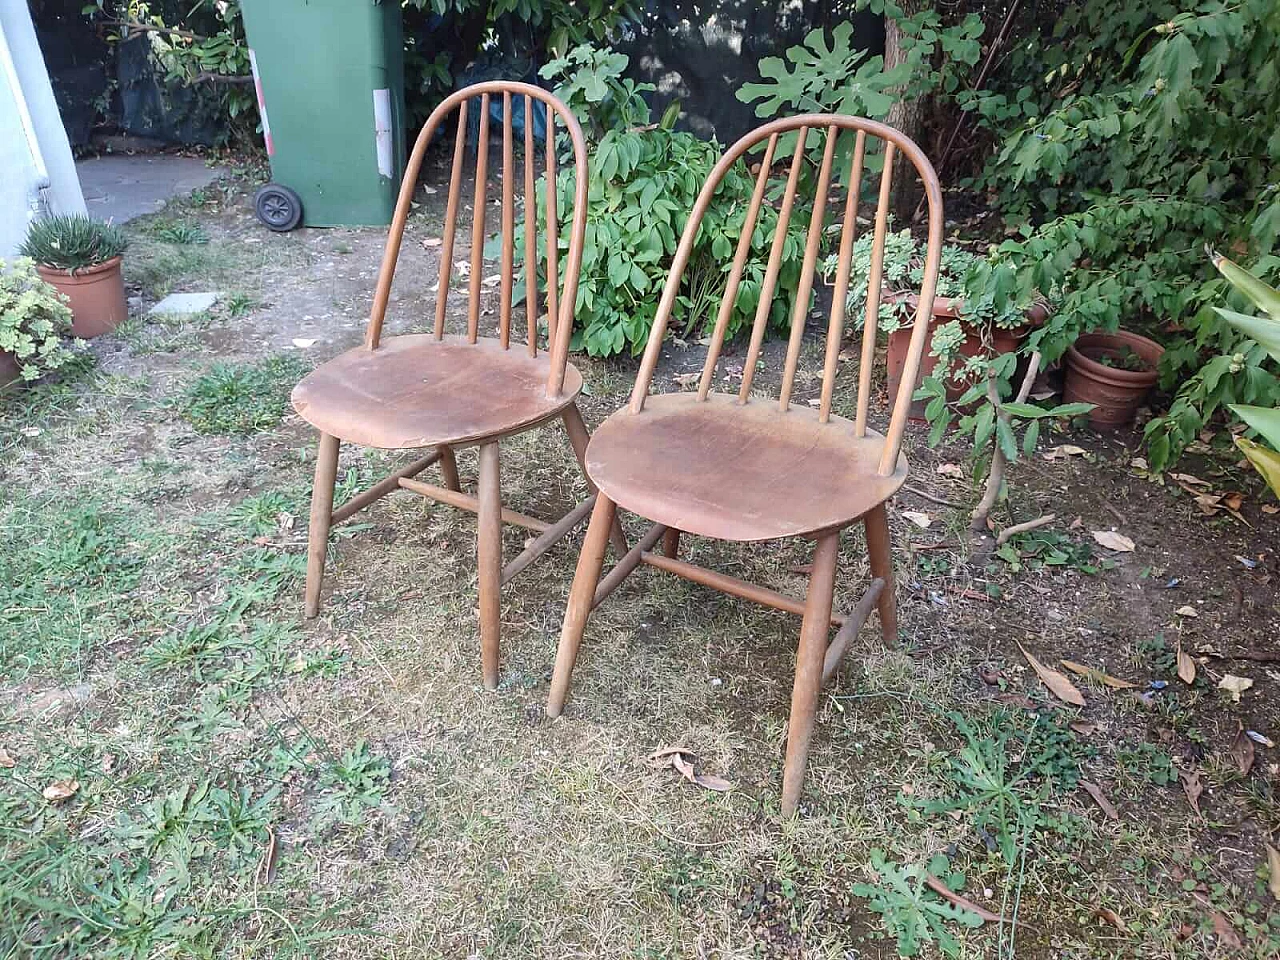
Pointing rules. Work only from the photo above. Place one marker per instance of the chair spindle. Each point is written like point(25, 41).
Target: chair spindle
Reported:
point(871, 322)
point(848, 232)
point(771, 272)
point(812, 240)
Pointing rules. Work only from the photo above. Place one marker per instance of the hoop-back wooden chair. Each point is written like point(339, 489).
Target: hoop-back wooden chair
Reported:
point(448, 391)
point(740, 468)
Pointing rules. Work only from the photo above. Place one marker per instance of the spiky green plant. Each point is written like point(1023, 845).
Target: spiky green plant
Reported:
point(73, 242)
point(1265, 331)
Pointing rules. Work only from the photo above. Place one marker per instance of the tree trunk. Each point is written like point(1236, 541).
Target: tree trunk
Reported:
point(906, 114)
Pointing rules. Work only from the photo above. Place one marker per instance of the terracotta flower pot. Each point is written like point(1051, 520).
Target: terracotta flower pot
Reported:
point(96, 296)
point(945, 309)
point(9, 369)
point(1117, 392)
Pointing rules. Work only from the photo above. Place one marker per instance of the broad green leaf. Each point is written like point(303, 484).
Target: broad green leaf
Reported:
point(1267, 298)
point(1031, 437)
point(1008, 444)
point(1266, 420)
point(1027, 410)
point(1071, 409)
point(1265, 332)
point(1266, 462)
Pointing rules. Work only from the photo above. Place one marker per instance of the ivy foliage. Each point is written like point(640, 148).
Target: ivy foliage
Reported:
point(643, 180)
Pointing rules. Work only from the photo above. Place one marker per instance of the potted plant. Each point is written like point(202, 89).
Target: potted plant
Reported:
point(81, 256)
point(1113, 371)
point(34, 319)
point(959, 328)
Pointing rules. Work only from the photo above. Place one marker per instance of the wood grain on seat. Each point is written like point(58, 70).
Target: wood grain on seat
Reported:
point(417, 391)
point(735, 471)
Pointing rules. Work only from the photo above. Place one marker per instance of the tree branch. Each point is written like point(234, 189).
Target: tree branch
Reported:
point(995, 476)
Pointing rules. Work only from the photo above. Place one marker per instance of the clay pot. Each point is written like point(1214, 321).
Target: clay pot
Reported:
point(944, 309)
point(96, 296)
point(9, 370)
point(1117, 392)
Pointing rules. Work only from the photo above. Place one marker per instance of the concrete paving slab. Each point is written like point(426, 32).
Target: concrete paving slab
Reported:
point(184, 304)
point(123, 187)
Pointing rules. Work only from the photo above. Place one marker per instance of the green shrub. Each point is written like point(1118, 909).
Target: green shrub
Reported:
point(34, 319)
point(238, 399)
point(73, 242)
point(643, 180)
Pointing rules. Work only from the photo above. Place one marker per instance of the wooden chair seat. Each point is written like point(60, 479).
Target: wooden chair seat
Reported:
point(417, 391)
point(743, 472)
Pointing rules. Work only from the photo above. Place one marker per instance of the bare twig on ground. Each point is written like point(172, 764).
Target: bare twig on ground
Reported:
point(995, 476)
point(926, 495)
point(1009, 532)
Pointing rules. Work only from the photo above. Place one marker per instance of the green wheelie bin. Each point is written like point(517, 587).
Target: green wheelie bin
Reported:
point(329, 76)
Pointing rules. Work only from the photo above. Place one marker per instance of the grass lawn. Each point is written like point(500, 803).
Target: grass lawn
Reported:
point(189, 769)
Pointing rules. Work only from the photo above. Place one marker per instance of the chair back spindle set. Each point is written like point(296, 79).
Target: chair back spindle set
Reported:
point(730, 466)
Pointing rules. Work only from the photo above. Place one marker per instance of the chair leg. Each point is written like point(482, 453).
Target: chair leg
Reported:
point(489, 561)
point(581, 597)
point(321, 515)
point(578, 439)
point(809, 656)
point(671, 542)
point(880, 552)
point(449, 468)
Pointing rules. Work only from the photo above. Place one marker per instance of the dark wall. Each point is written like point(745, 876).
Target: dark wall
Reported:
point(701, 52)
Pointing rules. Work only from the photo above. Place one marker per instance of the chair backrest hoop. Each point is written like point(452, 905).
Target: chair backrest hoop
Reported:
point(560, 301)
point(834, 124)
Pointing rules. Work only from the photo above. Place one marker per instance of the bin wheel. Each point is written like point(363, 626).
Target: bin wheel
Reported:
point(279, 208)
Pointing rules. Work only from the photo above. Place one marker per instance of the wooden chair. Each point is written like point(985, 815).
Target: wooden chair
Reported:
point(445, 391)
point(740, 468)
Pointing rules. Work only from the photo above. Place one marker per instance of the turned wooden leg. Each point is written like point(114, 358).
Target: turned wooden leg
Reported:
point(809, 656)
point(449, 468)
point(880, 552)
point(581, 598)
point(489, 561)
point(578, 439)
point(671, 542)
point(321, 516)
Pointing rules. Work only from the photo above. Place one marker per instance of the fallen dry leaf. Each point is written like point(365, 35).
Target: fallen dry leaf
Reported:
point(1100, 798)
point(918, 517)
point(681, 760)
point(1186, 666)
point(1193, 788)
point(1093, 673)
point(1063, 451)
point(1083, 727)
point(1187, 611)
point(1058, 684)
point(964, 903)
point(1242, 751)
point(1113, 540)
point(60, 790)
point(1113, 918)
point(1233, 500)
point(1226, 933)
point(1234, 685)
point(1188, 478)
point(1273, 867)
point(6, 761)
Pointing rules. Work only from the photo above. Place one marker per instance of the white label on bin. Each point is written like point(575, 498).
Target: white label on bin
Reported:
point(262, 104)
point(382, 129)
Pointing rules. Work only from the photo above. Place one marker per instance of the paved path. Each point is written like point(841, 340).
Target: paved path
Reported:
point(122, 187)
